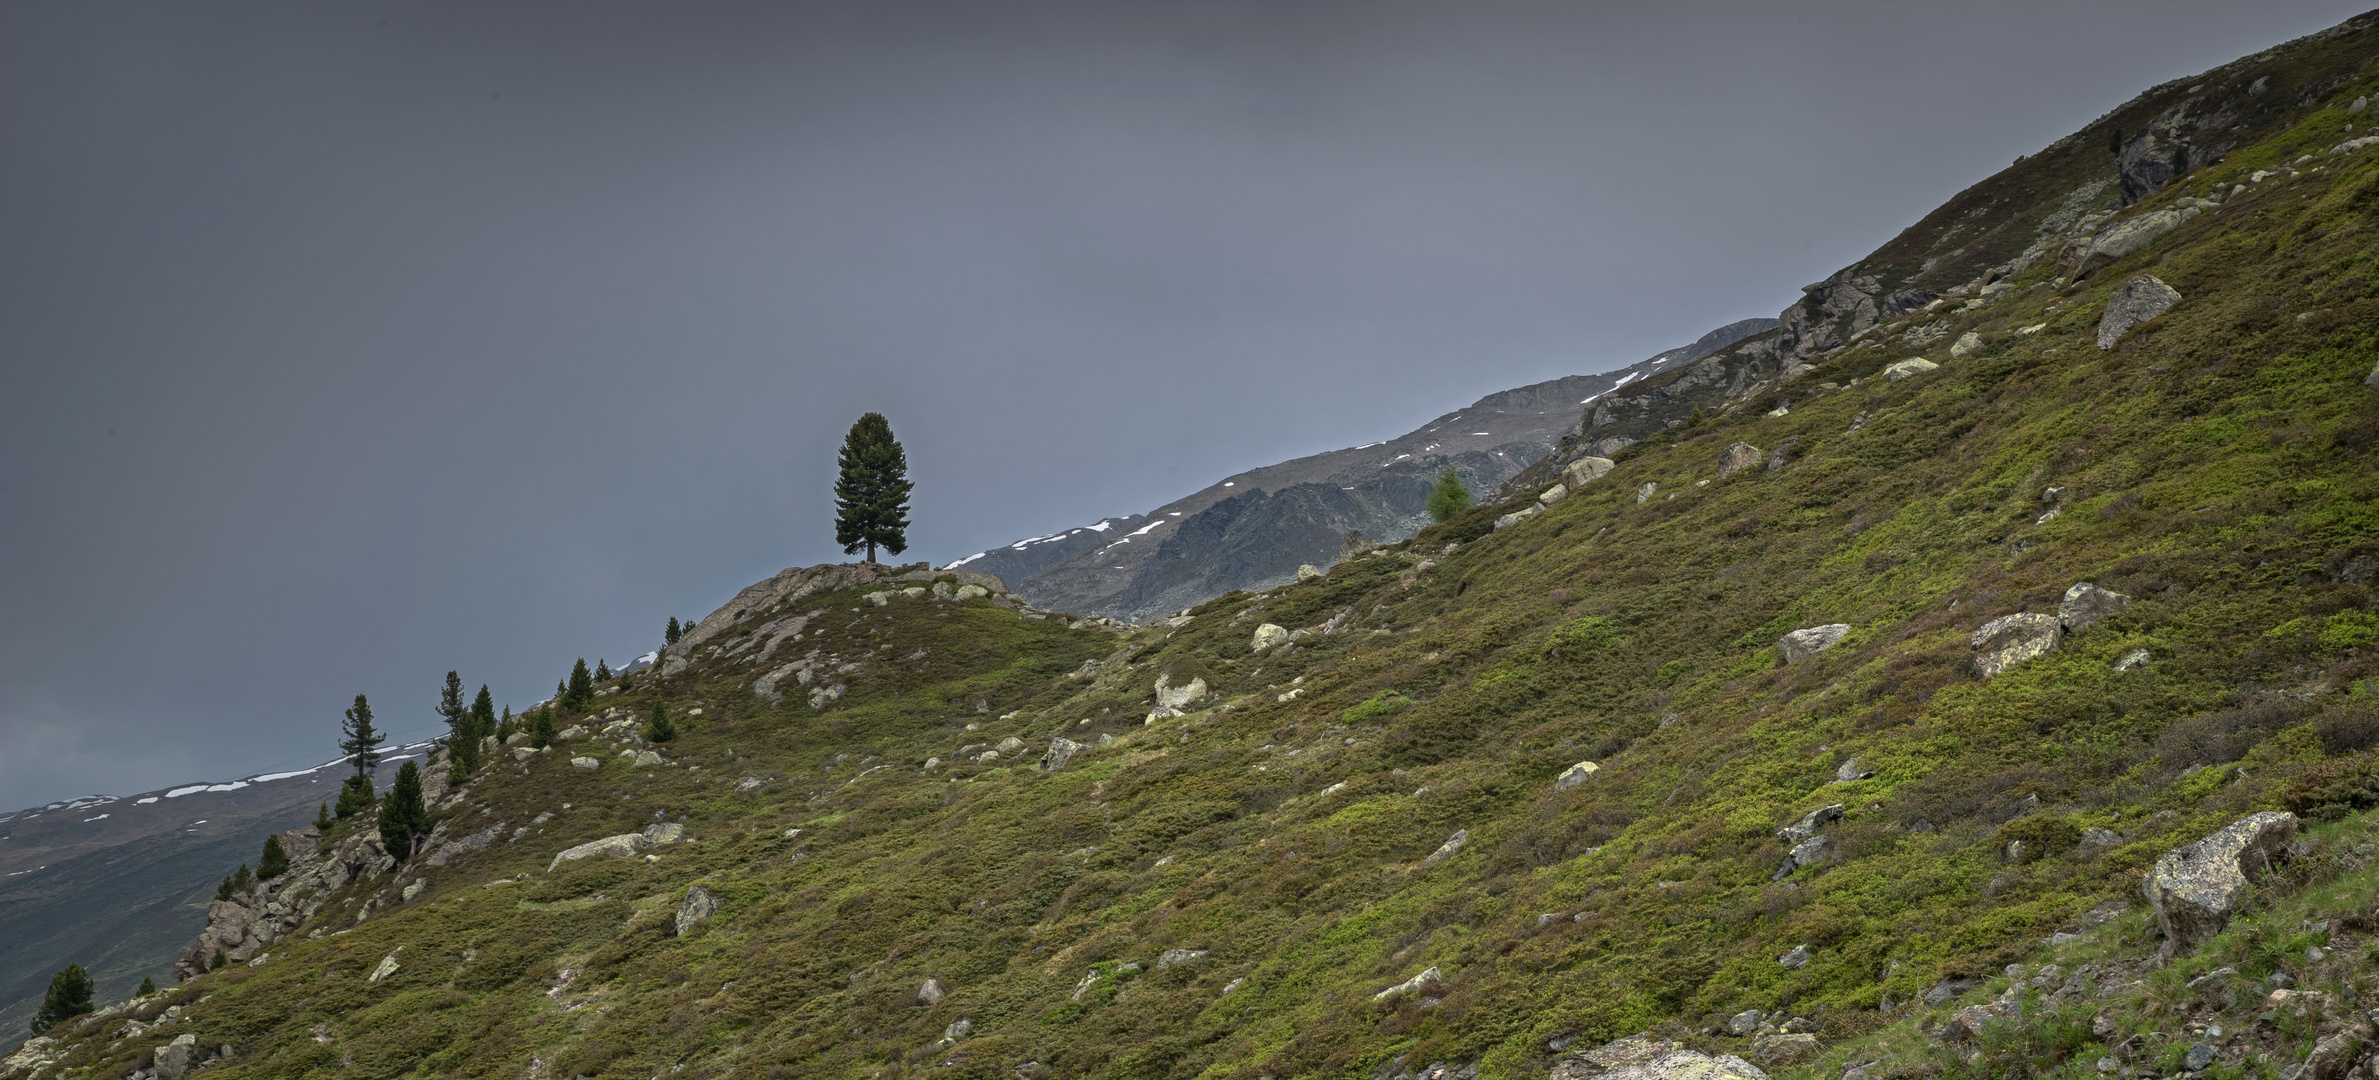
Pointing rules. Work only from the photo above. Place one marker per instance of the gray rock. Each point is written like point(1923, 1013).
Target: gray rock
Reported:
point(2134, 302)
point(1949, 988)
point(1552, 495)
point(2099, 837)
point(2372, 379)
point(1967, 1024)
point(2333, 1054)
point(1586, 470)
point(1308, 572)
point(1269, 635)
point(2124, 237)
point(1183, 696)
point(932, 992)
point(1011, 745)
point(1809, 824)
point(1849, 771)
point(1632, 1052)
point(2009, 640)
point(1644, 492)
point(623, 845)
point(1518, 516)
point(584, 762)
point(1409, 985)
point(647, 758)
point(1810, 640)
point(2086, 604)
point(388, 966)
point(2200, 1055)
point(1745, 1022)
point(957, 1030)
point(1575, 775)
point(1909, 369)
point(1736, 458)
point(414, 890)
point(1170, 957)
point(664, 832)
point(1061, 750)
point(2136, 658)
point(1967, 344)
point(1812, 851)
point(1675, 1065)
point(698, 906)
point(1446, 850)
point(1788, 1048)
point(2195, 889)
point(173, 1059)
point(971, 592)
point(1797, 958)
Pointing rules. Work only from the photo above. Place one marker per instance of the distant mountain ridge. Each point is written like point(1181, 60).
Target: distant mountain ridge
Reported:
point(1253, 529)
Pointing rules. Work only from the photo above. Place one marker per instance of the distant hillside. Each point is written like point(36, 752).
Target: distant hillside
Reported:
point(1252, 530)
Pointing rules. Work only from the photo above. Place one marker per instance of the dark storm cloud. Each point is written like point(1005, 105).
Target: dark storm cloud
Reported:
point(347, 344)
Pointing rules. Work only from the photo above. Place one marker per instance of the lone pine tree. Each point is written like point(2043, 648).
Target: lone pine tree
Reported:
point(361, 744)
point(274, 862)
point(462, 739)
point(871, 498)
point(404, 818)
point(1448, 497)
point(670, 636)
point(69, 996)
point(580, 692)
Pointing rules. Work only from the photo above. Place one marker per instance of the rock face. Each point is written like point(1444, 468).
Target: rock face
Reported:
point(2129, 235)
point(1909, 368)
point(1061, 750)
point(2009, 640)
point(2085, 604)
point(1736, 458)
point(697, 908)
point(1809, 641)
point(1810, 823)
point(2195, 889)
point(2134, 302)
point(173, 1059)
point(244, 925)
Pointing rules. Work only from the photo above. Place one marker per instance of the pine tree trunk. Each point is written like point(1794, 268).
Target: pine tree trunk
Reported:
point(871, 553)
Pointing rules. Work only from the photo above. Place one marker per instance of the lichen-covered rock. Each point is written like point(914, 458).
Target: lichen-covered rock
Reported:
point(1575, 775)
point(388, 966)
point(1799, 957)
point(622, 845)
point(1446, 850)
point(1966, 345)
point(1810, 640)
point(698, 906)
point(1170, 696)
point(1061, 750)
point(2134, 302)
point(2085, 604)
point(173, 1060)
point(1267, 636)
point(1586, 470)
point(1409, 985)
point(1909, 369)
point(1809, 824)
point(1552, 495)
point(1671, 1065)
point(2197, 888)
point(1787, 1048)
point(1637, 1049)
point(2009, 640)
point(1171, 957)
point(1736, 458)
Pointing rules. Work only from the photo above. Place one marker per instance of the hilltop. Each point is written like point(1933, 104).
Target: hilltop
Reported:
point(1829, 730)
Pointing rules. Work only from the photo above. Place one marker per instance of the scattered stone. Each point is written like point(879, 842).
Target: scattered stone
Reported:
point(1736, 458)
point(1810, 823)
point(647, 758)
point(1946, 989)
point(1446, 850)
point(2195, 889)
point(1308, 572)
point(932, 992)
point(1645, 491)
point(1967, 344)
point(1061, 750)
point(1518, 516)
point(1552, 495)
point(388, 966)
point(1632, 1052)
point(1808, 852)
point(583, 762)
point(2134, 302)
point(1799, 957)
point(2335, 1052)
point(1811, 640)
point(2098, 837)
point(1745, 1022)
point(1170, 957)
point(1849, 772)
point(1269, 635)
point(698, 906)
point(1169, 696)
point(1011, 745)
point(173, 1059)
point(1673, 1065)
point(1966, 1024)
point(2086, 604)
point(1784, 1049)
point(1575, 775)
point(1586, 470)
point(2009, 640)
point(2136, 658)
point(1909, 369)
point(1409, 985)
point(2200, 1055)
point(622, 845)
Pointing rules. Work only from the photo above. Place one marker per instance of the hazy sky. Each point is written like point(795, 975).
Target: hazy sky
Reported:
point(349, 343)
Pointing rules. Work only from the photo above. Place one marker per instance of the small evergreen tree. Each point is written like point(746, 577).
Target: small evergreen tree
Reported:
point(580, 692)
point(242, 880)
point(1448, 497)
point(322, 816)
point(362, 741)
point(69, 996)
point(221, 958)
point(2180, 162)
point(670, 636)
point(148, 986)
point(274, 862)
point(871, 498)
point(223, 889)
point(355, 796)
point(541, 732)
point(2114, 142)
point(506, 726)
point(462, 731)
point(659, 728)
point(602, 670)
point(404, 818)
point(483, 713)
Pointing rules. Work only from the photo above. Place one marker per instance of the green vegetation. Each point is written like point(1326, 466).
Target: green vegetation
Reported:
point(69, 996)
point(360, 741)
point(275, 860)
point(404, 819)
point(659, 728)
point(1448, 498)
point(579, 693)
point(871, 497)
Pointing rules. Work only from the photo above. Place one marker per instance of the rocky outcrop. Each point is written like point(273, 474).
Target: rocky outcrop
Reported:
point(1810, 640)
point(792, 585)
point(2196, 889)
point(2009, 640)
point(1575, 775)
point(2085, 604)
point(1267, 636)
point(1736, 458)
point(1909, 369)
point(2122, 238)
point(1809, 824)
point(2134, 302)
point(696, 909)
point(244, 925)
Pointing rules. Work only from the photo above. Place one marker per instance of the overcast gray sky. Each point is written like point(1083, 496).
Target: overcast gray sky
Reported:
point(349, 343)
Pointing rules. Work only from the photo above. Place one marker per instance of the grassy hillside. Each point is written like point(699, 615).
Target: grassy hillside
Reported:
point(1228, 892)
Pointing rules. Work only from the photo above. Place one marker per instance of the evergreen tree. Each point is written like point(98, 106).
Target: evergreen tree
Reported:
point(670, 636)
point(462, 730)
point(506, 726)
point(404, 819)
point(148, 986)
point(362, 741)
point(871, 498)
point(221, 958)
point(242, 880)
point(1449, 497)
point(274, 862)
point(541, 731)
point(659, 728)
point(602, 670)
point(2114, 142)
point(223, 889)
point(581, 691)
point(483, 712)
point(2180, 162)
point(322, 816)
point(355, 796)
point(69, 996)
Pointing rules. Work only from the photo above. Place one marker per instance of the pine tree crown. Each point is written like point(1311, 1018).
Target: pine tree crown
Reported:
point(871, 496)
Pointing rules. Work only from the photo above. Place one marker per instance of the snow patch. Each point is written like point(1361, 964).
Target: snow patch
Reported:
point(144, 802)
point(181, 791)
point(1623, 381)
point(1102, 526)
point(1143, 530)
point(969, 559)
point(102, 817)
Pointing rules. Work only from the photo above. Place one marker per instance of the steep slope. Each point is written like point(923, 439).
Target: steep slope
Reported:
point(1253, 529)
point(1829, 739)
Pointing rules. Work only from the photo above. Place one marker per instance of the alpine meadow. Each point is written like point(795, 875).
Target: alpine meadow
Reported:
point(1974, 674)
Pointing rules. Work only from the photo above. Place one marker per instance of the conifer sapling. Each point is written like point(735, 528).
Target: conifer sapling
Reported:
point(1448, 497)
point(274, 862)
point(148, 986)
point(670, 636)
point(69, 996)
point(659, 728)
point(404, 818)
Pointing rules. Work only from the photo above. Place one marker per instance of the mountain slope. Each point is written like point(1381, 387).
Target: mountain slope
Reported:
point(1253, 529)
point(1347, 827)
